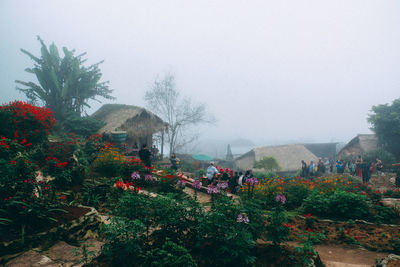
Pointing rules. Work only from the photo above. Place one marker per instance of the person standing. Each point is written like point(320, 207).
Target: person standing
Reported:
point(304, 169)
point(174, 162)
point(145, 155)
point(379, 166)
point(311, 168)
point(211, 172)
point(359, 163)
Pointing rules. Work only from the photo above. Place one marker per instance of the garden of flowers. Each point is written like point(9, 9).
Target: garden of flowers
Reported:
point(155, 216)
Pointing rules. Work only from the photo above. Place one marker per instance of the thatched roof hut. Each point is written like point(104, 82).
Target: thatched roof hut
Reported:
point(289, 157)
point(359, 145)
point(139, 123)
point(323, 150)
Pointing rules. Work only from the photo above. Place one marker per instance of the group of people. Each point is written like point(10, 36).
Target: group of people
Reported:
point(235, 179)
point(359, 167)
point(315, 169)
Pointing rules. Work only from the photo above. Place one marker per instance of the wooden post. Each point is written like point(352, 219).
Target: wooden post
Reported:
point(162, 143)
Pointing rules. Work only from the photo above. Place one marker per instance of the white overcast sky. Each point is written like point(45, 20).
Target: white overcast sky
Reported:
point(268, 70)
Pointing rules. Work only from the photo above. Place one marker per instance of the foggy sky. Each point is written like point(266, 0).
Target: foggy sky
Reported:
point(269, 71)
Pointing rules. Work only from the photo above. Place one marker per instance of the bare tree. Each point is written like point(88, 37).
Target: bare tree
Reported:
point(179, 112)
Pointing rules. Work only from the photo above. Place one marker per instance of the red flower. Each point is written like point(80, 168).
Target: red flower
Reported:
point(13, 162)
point(63, 197)
point(309, 230)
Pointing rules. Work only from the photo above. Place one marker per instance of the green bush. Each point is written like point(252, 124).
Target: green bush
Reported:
point(82, 126)
point(124, 241)
point(170, 255)
point(263, 175)
point(339, 204)
point(295, 194)
point(224, 240)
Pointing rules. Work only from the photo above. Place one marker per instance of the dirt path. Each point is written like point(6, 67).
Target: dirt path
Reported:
point(201, 197)
point(347, 256)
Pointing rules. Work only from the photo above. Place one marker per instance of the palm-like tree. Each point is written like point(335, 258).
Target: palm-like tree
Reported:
point(65, 84)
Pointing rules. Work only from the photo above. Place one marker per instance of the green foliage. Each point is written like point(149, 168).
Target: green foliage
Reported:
point(339, 204)
point(385, 121)
point(263, 175)
point(87, 255)
point(277, 230)
point(386, 157)
point(65, 84)
point(170, 255)
point(295, 194)
point(224, 241)
point(170, 226)
point(267, 163)
point(124, 240)
point(385, 214)
point(82, 126)
point(306, 250)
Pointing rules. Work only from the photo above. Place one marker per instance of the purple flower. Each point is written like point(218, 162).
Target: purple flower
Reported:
point(181, 183)
point(212, 189)
point(243, 218)
point(252, 181)
point(135, 175)
point(280, 198)
point(148, 177)
point(222, 185)
point(196, 184)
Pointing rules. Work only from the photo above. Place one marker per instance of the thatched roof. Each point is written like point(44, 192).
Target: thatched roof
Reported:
point(136, 121)
point(289, 157)
point(359, 145)
point(323, 150)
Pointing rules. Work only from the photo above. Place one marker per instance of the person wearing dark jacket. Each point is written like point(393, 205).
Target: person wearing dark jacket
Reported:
point(145, 155)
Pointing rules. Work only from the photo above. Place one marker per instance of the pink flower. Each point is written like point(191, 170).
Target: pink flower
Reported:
point(212, 189)
point(197, 184)
point(243, 218)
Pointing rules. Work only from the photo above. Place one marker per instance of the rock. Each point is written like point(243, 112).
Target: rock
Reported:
point(391, 202)
point(62, 252)
point(32, 259)
point(390, 259)
point(90, 235)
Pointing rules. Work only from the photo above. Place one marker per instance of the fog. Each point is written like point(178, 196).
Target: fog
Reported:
point(272, 72)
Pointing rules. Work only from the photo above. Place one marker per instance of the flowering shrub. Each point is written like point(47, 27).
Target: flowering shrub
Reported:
point(212, 190)
point(167, 182)
point(24, 202)
point(181, 183)
point(25, 123)
point(222, 185)
point(109, 161)
point(242, 218)
point(197, 184)
point(277, 229)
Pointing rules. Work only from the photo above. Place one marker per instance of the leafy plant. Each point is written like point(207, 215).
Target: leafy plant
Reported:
point(339, 204)
point(267, 163)
point(277, 230)
point(169, 255)
point(306, 249)
point(124, 239)
point(65, 84)
point(87, 255)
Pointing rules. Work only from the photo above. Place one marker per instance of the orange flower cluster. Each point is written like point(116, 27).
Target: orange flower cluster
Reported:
point(280, 184)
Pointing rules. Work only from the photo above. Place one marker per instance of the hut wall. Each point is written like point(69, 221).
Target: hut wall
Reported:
point(246, 162)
